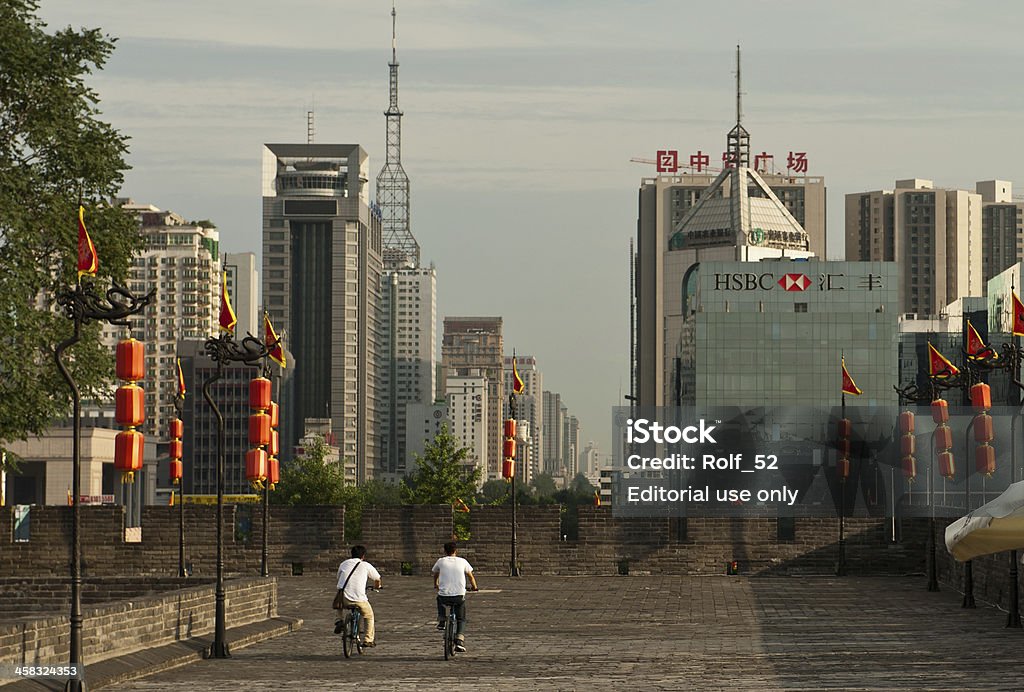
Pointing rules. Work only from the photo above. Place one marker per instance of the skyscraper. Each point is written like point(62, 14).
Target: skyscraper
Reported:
point(554, 432)
point(408, 317)
point(244, 288)
point(182, 261)
point(321, 277)
point(1002, 227)
point(935, 235)
point(474, 344)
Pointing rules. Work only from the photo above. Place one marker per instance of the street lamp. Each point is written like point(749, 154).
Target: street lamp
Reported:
point(224, 349)
point(81, 305)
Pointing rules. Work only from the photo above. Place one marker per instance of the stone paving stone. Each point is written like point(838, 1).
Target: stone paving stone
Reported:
point(651, 633)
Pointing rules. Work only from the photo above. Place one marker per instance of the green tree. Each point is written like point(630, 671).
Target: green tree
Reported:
point(375, 493)
point(55, 152)
point(441, 476)
point(544, 486)
point(311, 479)
point(494, 492)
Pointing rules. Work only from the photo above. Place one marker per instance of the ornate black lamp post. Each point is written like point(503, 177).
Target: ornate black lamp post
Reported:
point(81, 305)
point(224, 349)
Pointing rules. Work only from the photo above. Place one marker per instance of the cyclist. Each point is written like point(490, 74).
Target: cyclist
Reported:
point(451, 573)
point(353, 575)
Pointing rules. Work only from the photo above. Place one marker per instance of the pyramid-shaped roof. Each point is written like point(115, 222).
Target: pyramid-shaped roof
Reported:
point(750, 214)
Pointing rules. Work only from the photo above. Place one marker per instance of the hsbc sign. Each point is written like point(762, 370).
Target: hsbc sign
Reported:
point(766, 281)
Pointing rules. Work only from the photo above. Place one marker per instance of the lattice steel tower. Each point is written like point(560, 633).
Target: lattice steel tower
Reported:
point(400, 248)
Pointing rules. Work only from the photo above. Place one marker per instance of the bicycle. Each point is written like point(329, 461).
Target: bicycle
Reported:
point(351, 639)
point(451, 626)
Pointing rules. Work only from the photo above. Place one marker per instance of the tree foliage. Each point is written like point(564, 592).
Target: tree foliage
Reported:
point(441, 476)
point(55, 153)
point(311, 479)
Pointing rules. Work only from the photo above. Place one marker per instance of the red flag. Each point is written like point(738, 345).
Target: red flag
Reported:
point(938, 365)
point(181, 381)
point(271, 339)
point(1018, 315)
point(227, 314)
point(849, 386)
point(976, 347)
point(518, 386)
point(88, 261)
point(597, 499)
point(460, 506)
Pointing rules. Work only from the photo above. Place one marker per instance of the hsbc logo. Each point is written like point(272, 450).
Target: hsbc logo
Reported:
point(794, 282)
point(751, 281)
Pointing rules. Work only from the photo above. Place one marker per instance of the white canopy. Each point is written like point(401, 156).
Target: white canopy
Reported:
point(992, 528)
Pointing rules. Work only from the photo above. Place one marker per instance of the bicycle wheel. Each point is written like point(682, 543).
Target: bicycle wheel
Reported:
point(347, 639)
point(449, 638)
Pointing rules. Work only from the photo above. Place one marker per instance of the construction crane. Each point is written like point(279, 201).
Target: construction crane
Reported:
point(692, 169)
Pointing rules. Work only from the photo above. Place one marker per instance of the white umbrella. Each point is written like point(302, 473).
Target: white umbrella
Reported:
point(992, 528)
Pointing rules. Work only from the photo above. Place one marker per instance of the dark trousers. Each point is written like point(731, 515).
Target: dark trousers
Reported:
point(460, 612)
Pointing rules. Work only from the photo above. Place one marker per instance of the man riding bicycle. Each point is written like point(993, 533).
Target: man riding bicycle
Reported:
point(451, 573)
point(353, 575)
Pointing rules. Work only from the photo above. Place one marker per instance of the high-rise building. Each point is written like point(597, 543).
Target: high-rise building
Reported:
point(475, 344)
point(529, 408)
point(244, 288)
point(423, 424)
point(554, 432)
point(181, 260)
point(408, 347)
point(1002, 227)
point(468, 412)
point(321, 280)
point(571, 461)
point(935, 235)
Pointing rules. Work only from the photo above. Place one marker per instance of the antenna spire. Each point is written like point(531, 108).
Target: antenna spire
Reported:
point(738, 140)
point(739, 107)
point(394, 36)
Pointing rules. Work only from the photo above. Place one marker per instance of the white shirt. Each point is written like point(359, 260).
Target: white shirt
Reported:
point(355, 589)
point(451, 573)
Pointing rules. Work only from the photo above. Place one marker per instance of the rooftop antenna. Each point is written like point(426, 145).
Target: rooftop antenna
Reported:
point(738, 141)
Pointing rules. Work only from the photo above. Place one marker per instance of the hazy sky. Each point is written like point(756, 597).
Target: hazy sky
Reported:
point(521, 117)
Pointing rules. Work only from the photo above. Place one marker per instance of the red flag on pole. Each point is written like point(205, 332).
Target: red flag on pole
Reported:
point(518, 386)
point(181, 380)
point(939, 365)
point(273, 341)
point(227, 314)
point(976, 347)
point(1018, 315)
point(849, 386)
point(88, 261)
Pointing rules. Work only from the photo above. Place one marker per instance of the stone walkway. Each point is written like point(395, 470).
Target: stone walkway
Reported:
point(661, 633)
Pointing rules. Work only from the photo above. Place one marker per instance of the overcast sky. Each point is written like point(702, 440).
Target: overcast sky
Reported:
point(521, 117)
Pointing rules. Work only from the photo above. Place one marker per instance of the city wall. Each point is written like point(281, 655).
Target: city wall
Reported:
point(312, 540)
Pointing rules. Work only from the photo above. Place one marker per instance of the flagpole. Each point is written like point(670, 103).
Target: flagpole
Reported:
point(841, 568)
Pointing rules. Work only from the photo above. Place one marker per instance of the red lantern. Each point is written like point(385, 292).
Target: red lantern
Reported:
point(129, 406)
point(273, 471)
point(275, 443)
point(947, 467)
point(983, 428)
point(275, 414)
point(508, 469)
point(907, 446)
point(981, 397)
point(128, 451)
point(176, 471)
point(985, 460)
point(906, 422)
point(256, 464)
point(943, 437)
point(174, 449)
point(909, 468)
point(843, 445)
point(176, 428)
point(940, 411)
point(259, 429)
point(509, 448)
point(845, 427)
point(130, 360)
point(510, 428)
point(843, 468)
point(259, 393)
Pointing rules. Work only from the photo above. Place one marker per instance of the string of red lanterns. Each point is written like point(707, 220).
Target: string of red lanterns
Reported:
point(259, 432)
point(908, 445)
point(129, 408)
point(843, 445)
point(943, 438)
point(508, 467)
point(984, 453)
